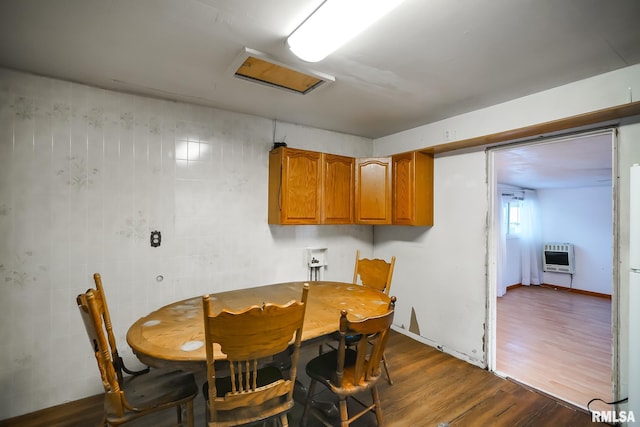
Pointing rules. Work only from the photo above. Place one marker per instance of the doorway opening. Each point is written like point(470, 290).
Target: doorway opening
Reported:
point(553, 330)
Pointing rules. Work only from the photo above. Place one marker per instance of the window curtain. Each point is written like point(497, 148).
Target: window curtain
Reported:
point(500, 226)
point(530, 240)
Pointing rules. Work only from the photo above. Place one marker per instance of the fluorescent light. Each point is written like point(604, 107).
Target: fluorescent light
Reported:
point(333, 24)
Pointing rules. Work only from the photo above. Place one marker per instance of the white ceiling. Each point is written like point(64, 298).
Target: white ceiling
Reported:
point(427, 60)
point(580, 161)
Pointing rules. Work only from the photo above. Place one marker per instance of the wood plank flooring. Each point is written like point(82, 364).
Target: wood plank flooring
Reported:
point(558, 342)
point(430, 387)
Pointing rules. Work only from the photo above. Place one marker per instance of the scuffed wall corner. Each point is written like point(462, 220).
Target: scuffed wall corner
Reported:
point(414, 327)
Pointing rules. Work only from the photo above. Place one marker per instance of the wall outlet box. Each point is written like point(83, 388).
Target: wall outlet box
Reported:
point(316, 257)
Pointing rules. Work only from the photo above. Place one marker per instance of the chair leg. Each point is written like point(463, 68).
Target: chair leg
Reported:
point(386, 368)
point(284, 421)
point(307, 405)
point(179, 414)
point(344, 415)
point(190, 420)
point(376, 400)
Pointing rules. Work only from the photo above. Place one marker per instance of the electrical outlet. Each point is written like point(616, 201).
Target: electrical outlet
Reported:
point(155, 239)
point(449, 135)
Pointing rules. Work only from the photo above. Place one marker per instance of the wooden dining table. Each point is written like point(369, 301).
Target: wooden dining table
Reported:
point(173, 335)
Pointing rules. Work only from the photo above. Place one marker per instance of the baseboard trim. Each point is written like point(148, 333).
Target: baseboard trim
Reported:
point(564, 288)
point(576, 291)
point(571, 405)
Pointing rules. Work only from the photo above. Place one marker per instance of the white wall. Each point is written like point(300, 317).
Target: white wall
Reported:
point(86, 174)
point(512, 274)
point(439, 271)
point(628, 154)
point(584, 96)
point(584, 217)
point(439, 286)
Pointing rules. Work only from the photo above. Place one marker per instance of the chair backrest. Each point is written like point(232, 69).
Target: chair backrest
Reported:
point(246, 336)
point(91, 309)
point(103, 309)
point(374, 273)
point(102, 305)
point(374, 332)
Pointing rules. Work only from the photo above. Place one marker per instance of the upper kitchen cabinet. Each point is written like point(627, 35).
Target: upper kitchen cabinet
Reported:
point(412, 188)
point(308, 187)
point(337, 189)
point(294, 186)
point(373, 191)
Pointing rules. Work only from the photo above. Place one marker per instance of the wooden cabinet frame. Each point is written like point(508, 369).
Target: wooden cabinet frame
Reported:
point(412, 189)
point(294, 186)
point(337, 189)
point(309, 187)
point(373, 190)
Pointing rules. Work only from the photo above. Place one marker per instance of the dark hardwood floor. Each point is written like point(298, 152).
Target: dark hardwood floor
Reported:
point(430, 387)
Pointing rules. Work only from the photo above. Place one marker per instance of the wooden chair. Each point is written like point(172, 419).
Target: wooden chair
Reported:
point(347, 372)
point(103, 307)
point(134, 396)
point(374, 273)
point(252, 391)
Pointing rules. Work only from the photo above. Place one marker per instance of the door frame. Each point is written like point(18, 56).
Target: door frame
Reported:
point(492, 266)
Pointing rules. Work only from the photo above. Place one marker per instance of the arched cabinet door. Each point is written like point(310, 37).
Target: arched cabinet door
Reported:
point(337, 189)
point(294, 186)
point(412, 189)
point(373, 190)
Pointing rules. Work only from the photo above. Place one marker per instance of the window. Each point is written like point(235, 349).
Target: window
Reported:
point(514, 208)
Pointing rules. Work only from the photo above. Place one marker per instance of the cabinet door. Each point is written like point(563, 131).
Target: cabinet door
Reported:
point(373, 191)
point(294, 186)
point(337, 195)
point(413, 189)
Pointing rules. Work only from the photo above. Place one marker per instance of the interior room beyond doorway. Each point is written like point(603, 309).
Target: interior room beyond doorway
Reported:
point(562, 190)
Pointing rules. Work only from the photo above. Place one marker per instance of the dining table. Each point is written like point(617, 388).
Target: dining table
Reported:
point(173, 335)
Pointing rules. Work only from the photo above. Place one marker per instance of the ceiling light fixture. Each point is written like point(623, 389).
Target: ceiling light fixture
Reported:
point(333, 24)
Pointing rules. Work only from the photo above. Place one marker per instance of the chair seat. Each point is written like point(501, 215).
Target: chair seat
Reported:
point(250, 414)
point(152, 392)
point(349, 339)
point(253, 414)
point(323, 369)
point(159, 387)
point(143, 393)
